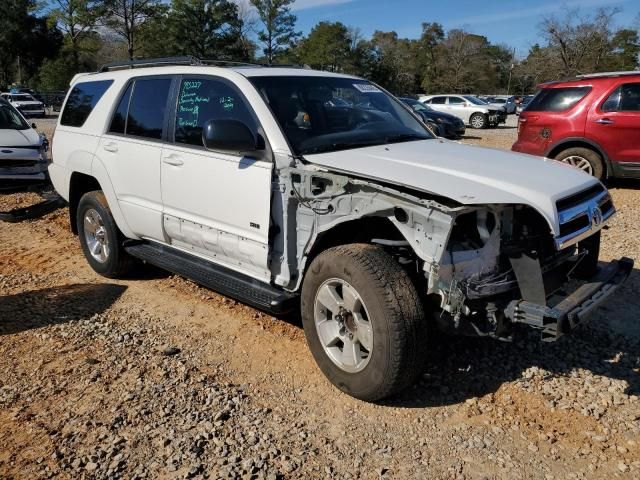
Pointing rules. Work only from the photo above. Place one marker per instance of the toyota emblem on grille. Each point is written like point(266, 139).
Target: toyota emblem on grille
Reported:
point(596, 216)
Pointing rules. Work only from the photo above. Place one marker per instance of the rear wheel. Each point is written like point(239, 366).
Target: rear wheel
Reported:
point(478, 120)
point(100, 237)
point(363, 321)
point(584, 159)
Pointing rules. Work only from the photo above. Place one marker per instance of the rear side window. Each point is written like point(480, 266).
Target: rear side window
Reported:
point(119, 121)
point(557, 99)
point(201, 99)
point(81, 101)
point(147, 107)
point(625, 98)
point(438, 100)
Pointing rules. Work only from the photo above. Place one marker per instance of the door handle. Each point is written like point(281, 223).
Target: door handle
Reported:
point(110, 147)
point(173, 160)
point(605, 121)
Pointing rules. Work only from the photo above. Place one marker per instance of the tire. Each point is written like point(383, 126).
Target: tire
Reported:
point(433, 128)
point(585, 159)
point(388, 317)
point(110, 260)
point(478, 121)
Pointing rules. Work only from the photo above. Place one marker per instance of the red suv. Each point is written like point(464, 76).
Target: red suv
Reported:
point(591, 122)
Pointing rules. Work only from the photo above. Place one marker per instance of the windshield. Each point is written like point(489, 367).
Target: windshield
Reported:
point(416, 105)
point(10, 119)
point(325, 114)
point(474, 100)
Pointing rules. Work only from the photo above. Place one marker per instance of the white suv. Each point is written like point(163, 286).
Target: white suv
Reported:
point(297, 189)
point(470, 109)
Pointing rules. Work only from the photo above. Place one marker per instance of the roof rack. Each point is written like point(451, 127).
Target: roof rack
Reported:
point(608, 74)
point(166, 61)
point(149, 62)
point(186, 60)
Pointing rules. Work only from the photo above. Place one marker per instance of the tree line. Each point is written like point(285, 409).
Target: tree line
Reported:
point(43, 44)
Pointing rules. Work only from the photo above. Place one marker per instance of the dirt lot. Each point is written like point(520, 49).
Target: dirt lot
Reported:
point(154, 377)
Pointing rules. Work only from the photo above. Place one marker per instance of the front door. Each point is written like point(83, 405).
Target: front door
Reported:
point(615, 125)
point(458, 106)
point(215, 204)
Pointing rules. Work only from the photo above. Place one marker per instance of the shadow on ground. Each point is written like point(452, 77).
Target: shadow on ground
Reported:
point(51, 306)
point(461, 368)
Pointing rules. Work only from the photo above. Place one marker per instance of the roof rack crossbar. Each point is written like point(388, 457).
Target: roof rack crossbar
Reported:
point(608, 74)
point(232, 63)
point(150, 62)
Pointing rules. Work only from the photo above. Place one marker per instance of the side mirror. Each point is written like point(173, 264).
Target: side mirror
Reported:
point(229, 136)
point(33, 125)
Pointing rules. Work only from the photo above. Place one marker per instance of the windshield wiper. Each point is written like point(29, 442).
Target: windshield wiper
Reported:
point(403, 137)
point(332, 147)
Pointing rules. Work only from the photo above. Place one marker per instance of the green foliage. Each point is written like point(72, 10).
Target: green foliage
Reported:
point(206, 28)
point(80, 35)
point(279, 33)
point(126, 18)
point(327, 47)
point(25, 41)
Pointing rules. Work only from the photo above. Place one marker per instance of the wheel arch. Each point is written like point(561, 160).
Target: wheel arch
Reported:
point(81, 183)
point(579, 142)
point(361, 230)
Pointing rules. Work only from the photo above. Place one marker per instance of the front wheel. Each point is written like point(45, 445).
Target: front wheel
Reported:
point(363, 320)
point(478, 120)
point(100, 238)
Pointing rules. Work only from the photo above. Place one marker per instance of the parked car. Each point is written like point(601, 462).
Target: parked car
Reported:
point(29, 91)
point(502, 101)
point(591, 122)
point(471, 110)
point(441, 124)
point(23, 151)
point(523, 103)
point(244, 180)
point(25, 103)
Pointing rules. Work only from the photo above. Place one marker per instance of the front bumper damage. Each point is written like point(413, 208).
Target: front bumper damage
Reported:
point(556, 318)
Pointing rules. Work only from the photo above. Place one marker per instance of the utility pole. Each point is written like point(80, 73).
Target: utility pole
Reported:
point(19, 72)
point(513, 59)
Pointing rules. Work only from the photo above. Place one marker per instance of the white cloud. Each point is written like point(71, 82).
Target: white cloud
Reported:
point(304, 4)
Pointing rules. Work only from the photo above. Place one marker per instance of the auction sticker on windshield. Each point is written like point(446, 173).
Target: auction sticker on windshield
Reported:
point(367, 88)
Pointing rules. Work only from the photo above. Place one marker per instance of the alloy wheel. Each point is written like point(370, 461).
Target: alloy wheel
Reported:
point(343, 325)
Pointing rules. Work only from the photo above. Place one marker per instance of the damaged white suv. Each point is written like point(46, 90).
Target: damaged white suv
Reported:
point(289, 188)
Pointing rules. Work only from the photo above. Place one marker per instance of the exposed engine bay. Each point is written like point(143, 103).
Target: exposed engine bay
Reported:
point(474, 264)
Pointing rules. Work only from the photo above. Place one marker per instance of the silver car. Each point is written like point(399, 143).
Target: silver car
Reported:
point(23, 151)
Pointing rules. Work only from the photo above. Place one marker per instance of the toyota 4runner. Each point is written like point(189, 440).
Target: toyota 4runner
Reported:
point(296, 189)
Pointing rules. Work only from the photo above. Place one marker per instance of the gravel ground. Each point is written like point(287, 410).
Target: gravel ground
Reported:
point(155, 377)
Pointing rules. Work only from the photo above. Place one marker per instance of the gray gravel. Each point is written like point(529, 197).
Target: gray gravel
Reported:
point(154, 377)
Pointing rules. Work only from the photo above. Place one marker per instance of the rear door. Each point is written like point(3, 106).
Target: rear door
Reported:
point(131, 151)
point(215, 204)
point(615, 124)
point(438, 103)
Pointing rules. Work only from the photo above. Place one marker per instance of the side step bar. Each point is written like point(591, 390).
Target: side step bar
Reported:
point(215, 277)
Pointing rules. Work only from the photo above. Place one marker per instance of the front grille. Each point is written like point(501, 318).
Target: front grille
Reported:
point(578, 198)
point(18, 163)
point(574, 225)
point(582, 214)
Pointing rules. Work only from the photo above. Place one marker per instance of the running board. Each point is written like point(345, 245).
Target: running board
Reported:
point(215, 277)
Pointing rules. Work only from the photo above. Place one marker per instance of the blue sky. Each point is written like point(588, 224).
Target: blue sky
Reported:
point(514, 22)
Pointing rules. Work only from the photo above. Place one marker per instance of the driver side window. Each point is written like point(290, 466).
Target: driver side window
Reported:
point(456, 101)
point(203, 99)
